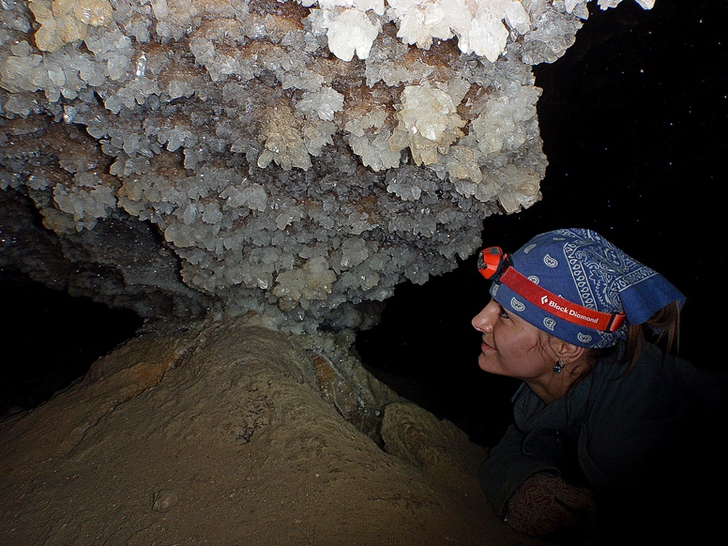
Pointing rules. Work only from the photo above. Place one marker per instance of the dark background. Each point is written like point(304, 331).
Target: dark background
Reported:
point(633, 120)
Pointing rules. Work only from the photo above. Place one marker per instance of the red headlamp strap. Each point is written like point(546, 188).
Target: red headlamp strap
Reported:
point(494, 265)
point(560, 307)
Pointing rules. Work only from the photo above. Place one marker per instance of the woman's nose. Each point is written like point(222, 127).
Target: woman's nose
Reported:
point(483, 321)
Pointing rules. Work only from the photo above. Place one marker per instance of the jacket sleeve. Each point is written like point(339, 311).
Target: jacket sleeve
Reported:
point(507, 467)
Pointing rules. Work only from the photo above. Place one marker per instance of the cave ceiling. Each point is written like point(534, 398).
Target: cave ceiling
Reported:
point(293, 159)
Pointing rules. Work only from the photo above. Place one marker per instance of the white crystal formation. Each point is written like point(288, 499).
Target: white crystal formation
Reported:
point(299, 159)
point(482, 27)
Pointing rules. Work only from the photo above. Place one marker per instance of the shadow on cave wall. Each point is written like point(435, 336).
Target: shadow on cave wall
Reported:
point(51, 339)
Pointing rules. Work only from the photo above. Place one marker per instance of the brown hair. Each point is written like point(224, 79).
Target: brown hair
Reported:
point(663, 328)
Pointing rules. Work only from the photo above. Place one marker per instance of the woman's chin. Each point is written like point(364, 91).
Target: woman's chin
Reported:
point(485, 363)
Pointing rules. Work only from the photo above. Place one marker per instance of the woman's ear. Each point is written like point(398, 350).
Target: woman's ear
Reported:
point(565, 351)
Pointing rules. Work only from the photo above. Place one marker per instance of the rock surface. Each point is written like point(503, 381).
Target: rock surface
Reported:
point(230, 433)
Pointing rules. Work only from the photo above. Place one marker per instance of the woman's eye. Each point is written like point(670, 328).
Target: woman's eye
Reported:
point(504, 314)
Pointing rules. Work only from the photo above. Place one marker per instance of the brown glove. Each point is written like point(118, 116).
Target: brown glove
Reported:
point(545, 504)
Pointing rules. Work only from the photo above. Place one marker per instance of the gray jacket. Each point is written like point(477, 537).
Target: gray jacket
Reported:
point(614, 430)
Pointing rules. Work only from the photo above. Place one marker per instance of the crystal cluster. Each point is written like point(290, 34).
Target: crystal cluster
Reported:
point(298, 159)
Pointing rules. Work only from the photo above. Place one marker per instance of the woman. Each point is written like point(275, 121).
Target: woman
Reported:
point(602, 413)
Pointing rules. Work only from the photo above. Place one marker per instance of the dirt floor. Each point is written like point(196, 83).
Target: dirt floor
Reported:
point(231, 434)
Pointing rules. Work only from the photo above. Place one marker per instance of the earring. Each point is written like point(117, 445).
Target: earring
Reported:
point(558, 367)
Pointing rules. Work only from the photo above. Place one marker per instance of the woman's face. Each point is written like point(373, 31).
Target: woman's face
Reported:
point(510, 345)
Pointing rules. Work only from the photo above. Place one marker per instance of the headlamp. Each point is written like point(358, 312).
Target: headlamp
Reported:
point(497, 266)
point(492, 261)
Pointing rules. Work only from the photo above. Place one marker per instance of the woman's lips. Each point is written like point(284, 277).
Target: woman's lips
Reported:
point(485, 347)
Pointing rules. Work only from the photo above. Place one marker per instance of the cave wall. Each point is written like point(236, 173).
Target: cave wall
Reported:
point(293, 159)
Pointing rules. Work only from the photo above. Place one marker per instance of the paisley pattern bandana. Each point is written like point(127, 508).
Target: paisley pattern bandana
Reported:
point(582, 267)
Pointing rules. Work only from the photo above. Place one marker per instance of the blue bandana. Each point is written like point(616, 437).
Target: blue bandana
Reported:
point(582, 267)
